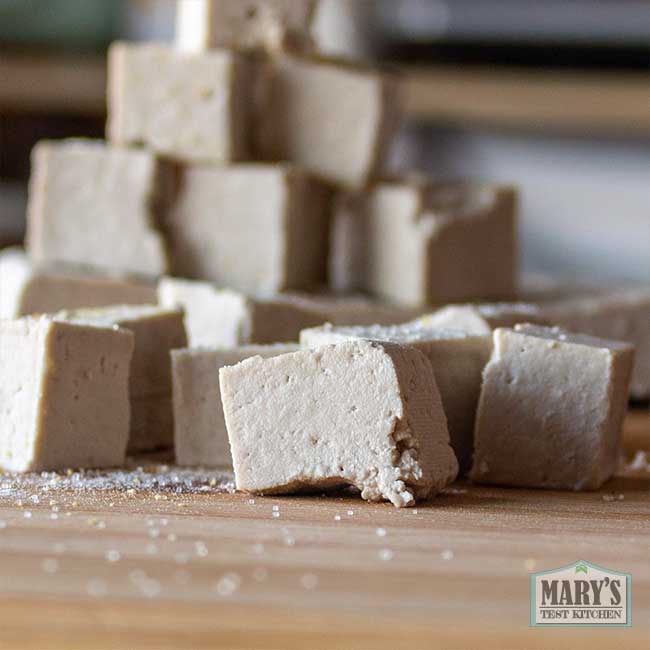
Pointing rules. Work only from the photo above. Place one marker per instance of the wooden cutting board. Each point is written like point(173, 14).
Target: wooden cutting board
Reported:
point(93, 569)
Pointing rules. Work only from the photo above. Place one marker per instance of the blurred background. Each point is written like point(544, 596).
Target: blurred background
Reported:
point(552, 96)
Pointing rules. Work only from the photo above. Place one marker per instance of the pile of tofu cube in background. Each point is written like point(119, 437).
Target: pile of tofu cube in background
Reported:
point(234, 275)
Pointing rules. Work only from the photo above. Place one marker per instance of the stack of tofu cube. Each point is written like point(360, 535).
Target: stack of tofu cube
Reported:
point(235, 274)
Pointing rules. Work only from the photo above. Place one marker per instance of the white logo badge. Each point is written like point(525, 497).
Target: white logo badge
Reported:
point(581, 594)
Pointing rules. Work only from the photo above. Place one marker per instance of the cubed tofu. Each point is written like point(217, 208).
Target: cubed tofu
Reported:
point(225, 319)
point(457, 359)
point(256, 228)
point(64, 391)
point(333, 119)
point(95, 205)
point(360, 413)
point(438, 243)
point(481, 319)
point(551, 409)
point(618, 314)
point(187, 107)
point(27, 289)
point(244, 24)
point(200, 436)
point(157, 332)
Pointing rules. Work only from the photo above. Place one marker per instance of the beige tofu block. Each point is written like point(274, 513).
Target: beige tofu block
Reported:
point(551, 409)
point(360, 413)
point(615, 314)
point(224, 319)
point(481, 319)
point(331, 118)
point(94, 205)
point(457, 359)
point(200, 435)
point(247, 24)
point(157, 332)
point(187, 107)
point(256, 228)
point(64, 395)
point(438, 243)
point(27, 289)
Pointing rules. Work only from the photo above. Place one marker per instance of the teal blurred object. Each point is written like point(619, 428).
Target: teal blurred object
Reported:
point(62, 24)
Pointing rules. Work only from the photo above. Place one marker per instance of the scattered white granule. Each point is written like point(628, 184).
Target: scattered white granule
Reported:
point(380, 532)
point(113, 556)
point(447, 554)
point(386, 554)
point(201, 549)
point(228, 584)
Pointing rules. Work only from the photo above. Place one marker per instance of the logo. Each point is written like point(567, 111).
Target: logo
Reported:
point(581, 594)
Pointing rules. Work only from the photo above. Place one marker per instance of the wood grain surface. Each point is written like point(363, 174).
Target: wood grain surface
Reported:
point(135, 569)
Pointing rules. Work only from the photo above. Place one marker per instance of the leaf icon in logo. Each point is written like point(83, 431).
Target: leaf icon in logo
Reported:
point(581, 568)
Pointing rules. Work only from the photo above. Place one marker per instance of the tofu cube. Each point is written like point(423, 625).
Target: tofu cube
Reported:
point(247, 24)
point(551, 409)
point(64, 391)
point(226, 319)
point(481, 319)
point(361, 413)
point(157, 332)
point(618, 314)
point(333, 119)
point(27, 289)
point(457, 359)
point(255, 228)
point(187, 107)
point(94, 205)
point(438, 243)
point(200, 435)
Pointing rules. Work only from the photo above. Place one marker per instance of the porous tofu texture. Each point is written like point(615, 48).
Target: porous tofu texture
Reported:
point(64, 391)
point(333, 119)
point(200, 436)
point(95, 205)
point(360, 413)
point(247, 24)
point(187, 107)
point(157, 331)
point(26, 289)
point(551, 409)
point(457, 359)
point(255, 228)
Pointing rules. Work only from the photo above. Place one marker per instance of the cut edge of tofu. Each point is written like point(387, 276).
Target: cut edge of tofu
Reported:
point(413, 455)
